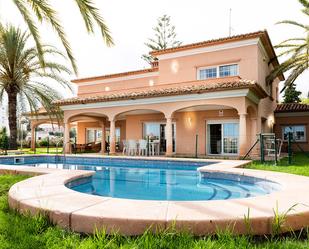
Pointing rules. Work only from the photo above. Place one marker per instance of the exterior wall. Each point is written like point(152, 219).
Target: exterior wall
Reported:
point(252, 61)
point(81, 130)
point(185, 132)
point(268, 105)
point(184, 68)
point(190, 124)
point(115, 86)
point(293, 120)
point(134, 124)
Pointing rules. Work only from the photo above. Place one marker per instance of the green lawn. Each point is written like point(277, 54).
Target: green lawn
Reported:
point(42, 151)
point(18, 231)
point(299, 166)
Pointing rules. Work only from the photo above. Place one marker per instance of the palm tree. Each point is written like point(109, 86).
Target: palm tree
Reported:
point(295, 49)
point(23, 78)
point(39, 11)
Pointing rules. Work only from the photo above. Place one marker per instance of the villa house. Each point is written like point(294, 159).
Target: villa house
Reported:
point(209, 97)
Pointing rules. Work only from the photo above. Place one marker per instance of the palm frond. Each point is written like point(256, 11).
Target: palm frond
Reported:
point(293, 76)
point(44, 8)
point(22, 72)
point(305, 3)
point(32, 27)
point(92, 15)
point(293, 23)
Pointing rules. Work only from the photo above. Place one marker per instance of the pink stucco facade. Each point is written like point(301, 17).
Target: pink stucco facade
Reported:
point(227, 113)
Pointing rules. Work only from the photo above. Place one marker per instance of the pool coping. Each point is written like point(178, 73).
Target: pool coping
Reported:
point(46, 193)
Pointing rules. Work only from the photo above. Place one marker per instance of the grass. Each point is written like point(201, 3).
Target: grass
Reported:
point(19, 231)
point(52, 150)
point(299, 166)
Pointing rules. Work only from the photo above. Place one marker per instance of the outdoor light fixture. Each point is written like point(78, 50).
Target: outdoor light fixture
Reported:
point(151, 82)
point(190, 121)
point(107, 88)
point(175, 66)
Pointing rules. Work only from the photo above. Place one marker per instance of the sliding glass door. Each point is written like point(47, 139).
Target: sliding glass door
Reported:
point(230, 138)
point(222, 137)
point(157, 131)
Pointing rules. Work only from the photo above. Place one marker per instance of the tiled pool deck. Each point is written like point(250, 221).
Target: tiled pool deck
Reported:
point(80, 212)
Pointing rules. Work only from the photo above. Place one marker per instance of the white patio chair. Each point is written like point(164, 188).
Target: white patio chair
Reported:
point(132, 147)
point(142, 149)
point(125, 147)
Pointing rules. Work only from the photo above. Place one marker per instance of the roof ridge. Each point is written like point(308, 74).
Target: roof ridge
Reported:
point(115, 75)
point(226, 38)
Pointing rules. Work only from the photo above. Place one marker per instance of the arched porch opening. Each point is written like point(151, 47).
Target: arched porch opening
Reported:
point(207, 130)
point(38, 135)
point(143, 124)
point(90, 132)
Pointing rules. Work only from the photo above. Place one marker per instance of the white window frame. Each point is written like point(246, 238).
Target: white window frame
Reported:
point(218, 70)
point(293, 125)
point(221, 122)
point(159, 123)
point(95, 135)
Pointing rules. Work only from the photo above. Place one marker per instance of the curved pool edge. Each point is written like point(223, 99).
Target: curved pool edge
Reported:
point(80, 212)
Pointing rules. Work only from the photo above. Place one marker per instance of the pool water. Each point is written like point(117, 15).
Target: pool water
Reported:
point(156, 180)
point(165, 184)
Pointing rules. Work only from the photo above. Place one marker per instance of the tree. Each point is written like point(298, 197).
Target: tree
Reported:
point(36, 12)
point(164, 37)
point(24, 79)
point(4, 140)
point(295, 49)
point(291, 95)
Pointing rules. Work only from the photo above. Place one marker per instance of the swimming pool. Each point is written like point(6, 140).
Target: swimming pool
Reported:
point(153, 179)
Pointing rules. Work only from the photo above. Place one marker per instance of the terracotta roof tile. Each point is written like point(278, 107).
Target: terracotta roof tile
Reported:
point(230, 83)
point(209, 42)
point(292, 107)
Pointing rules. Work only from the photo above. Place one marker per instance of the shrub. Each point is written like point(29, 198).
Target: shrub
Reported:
point(4, 140)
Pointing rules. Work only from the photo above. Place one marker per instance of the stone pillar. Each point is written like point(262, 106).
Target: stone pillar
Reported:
point(112, 139)
point(66, 140)
point(103, 139)
point(169, 136)
point(243, 139)
point(254, 136)
point(33, 138)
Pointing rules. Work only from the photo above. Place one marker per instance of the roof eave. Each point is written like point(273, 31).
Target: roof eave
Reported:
point(260, 92)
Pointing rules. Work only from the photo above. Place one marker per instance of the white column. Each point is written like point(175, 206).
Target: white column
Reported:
point(103, 138)
point(112, 139)
point(169, 136)
point(66, 140)
point(243, 139)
